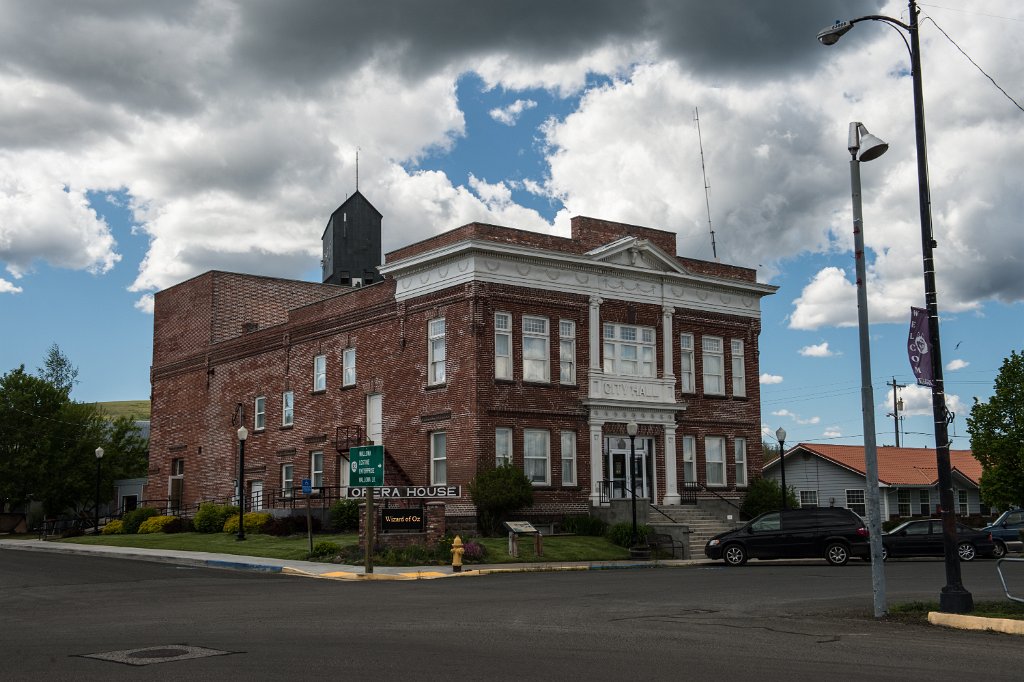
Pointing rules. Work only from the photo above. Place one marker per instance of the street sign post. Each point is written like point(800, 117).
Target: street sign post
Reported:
point(366, 464)
point(307, 490)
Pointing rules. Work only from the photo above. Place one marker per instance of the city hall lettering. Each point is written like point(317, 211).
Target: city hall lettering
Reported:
point(410, 491)
point(612, 388)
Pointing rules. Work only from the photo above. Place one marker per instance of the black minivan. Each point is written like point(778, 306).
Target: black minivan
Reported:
point(832, 533)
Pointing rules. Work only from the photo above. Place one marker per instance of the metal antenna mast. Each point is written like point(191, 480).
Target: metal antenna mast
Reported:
point(704, 172)
point(357, 169)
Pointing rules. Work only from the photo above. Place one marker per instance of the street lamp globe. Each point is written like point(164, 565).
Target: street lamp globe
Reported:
point(99, 453)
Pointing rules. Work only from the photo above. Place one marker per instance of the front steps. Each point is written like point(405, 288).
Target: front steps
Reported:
point(704, 524)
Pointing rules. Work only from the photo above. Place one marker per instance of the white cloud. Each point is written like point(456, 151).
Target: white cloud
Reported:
point(917, 402)
point(770, 378)
point(832, 432)
point(145, 303)
point(8, 288)
point(510, 115)
point(955, 364)
point(797, 418)
point(820, 350)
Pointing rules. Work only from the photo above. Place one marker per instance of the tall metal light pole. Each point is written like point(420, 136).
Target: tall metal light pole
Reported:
point(780, 433)
point(897, 407)
point(954, 597)
point(242, 434)
point(632, 429)
point(96, 520)
point(864, 146)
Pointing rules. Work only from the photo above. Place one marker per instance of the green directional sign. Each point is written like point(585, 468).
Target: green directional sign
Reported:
point(366, 464)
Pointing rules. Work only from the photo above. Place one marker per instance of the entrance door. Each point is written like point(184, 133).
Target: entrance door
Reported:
point(256, 495)
point(617, 468)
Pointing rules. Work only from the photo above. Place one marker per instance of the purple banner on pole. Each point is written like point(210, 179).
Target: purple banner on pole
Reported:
point(919, 346)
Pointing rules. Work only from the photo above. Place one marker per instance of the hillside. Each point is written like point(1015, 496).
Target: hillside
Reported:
point(139, 409)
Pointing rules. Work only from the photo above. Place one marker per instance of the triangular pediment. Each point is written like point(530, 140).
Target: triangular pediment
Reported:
point(639, 254)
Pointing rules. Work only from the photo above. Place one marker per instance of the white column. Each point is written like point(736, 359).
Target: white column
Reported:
point(671, 474)
point(596, 463)
point(666, 326)
point(595, 332)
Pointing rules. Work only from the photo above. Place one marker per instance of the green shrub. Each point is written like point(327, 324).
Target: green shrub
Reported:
point(497, 493)
point(584, 525)
point(113, 528)
point(621, 534)
point(765, 495)
point(133, 519)
point(324, 549)
point(345, 515)
point(160, 524)
point(211, 517)
point(255, 522)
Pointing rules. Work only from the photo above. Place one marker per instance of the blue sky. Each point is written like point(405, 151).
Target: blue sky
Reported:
point(118, 182)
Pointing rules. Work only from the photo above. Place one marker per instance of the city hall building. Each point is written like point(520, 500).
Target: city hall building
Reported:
point(475, 347)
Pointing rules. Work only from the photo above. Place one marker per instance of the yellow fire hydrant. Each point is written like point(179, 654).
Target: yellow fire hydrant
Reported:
point(457, 551)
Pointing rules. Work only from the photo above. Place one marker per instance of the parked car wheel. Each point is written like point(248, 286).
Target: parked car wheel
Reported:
point(999, 551)
point(837, 553)
point(966, 551)
point(734, 555)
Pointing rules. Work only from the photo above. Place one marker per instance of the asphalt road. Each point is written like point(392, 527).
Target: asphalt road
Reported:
point(763, 621)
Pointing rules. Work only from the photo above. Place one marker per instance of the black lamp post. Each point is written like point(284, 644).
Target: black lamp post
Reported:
point(954, 598)
point(780, 433)
point(632, 429)
point(243, 433)
point(96, 520)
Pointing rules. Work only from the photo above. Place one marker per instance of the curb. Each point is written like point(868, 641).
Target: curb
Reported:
point(961, 622)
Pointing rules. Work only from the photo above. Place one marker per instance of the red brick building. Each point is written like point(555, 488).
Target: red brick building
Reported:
point(478, 345)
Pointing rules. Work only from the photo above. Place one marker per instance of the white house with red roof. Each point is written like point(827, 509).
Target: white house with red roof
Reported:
point(835, 476)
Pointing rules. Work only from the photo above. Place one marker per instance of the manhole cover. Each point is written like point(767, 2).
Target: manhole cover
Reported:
point(157, 654)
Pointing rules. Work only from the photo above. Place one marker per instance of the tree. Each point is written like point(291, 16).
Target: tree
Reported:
point(997, 436)
point(496, 493)
point(58, 370)
point(765, 495)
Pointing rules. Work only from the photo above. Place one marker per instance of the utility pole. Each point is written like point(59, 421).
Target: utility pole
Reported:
point(896, 407)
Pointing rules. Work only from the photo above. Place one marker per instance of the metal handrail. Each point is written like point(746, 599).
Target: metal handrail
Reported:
point(1002, 579)
point(715, 493)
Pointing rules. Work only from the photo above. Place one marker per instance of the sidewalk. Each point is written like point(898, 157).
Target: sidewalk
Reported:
point(313, 569)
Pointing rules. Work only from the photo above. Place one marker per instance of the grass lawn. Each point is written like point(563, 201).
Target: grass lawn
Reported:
point(556, 548)
point(139, 409)
point(917, 611)
point(290, 547)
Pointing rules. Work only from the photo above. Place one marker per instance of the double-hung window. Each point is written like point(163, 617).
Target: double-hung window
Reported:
point(502, 346)
point(686, 363)
point(348, 365)
point(629, 350)
point(437, 352)
point(855, 502)
point(714, 459)
point(903, 502)
point(537, 456)
point(714, 367)
point(439, 458)
point(689, 461)
point(502, 446)
point(739, 373)
point(320, 373)
point(287, 479)
point(808, 498)
point(741, 461)
point(287, 408)
point(536, 362)
point(925, 500)
point(316, 469)
point(961, 498)
point(259, 421)
point(568, 458)
point(567, 351)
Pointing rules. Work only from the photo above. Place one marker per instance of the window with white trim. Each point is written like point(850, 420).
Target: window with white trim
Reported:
point(502, 446)
point(259, 421)
point(537, 456)
point(287, 408)
point(375, 418)
point(903, 502)
point(925, 500)
point(689, 460)
point(567, 351)
point(320, 373)
point(568, 458)
point(686, 363)
point(740, 456)
point(739, 372)
point(961, 497)
point(287, 479)
point(808, 498)
point(437, 352)
point(855, 502)
point(502, 346)
point(348, 367)
point(439, 458)
point(536, 349)
point(714, 460)
point(714, 367)
point(316, 469)
point(628, 350)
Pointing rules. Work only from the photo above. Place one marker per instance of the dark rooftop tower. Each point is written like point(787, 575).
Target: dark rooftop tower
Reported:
point(352, 243)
